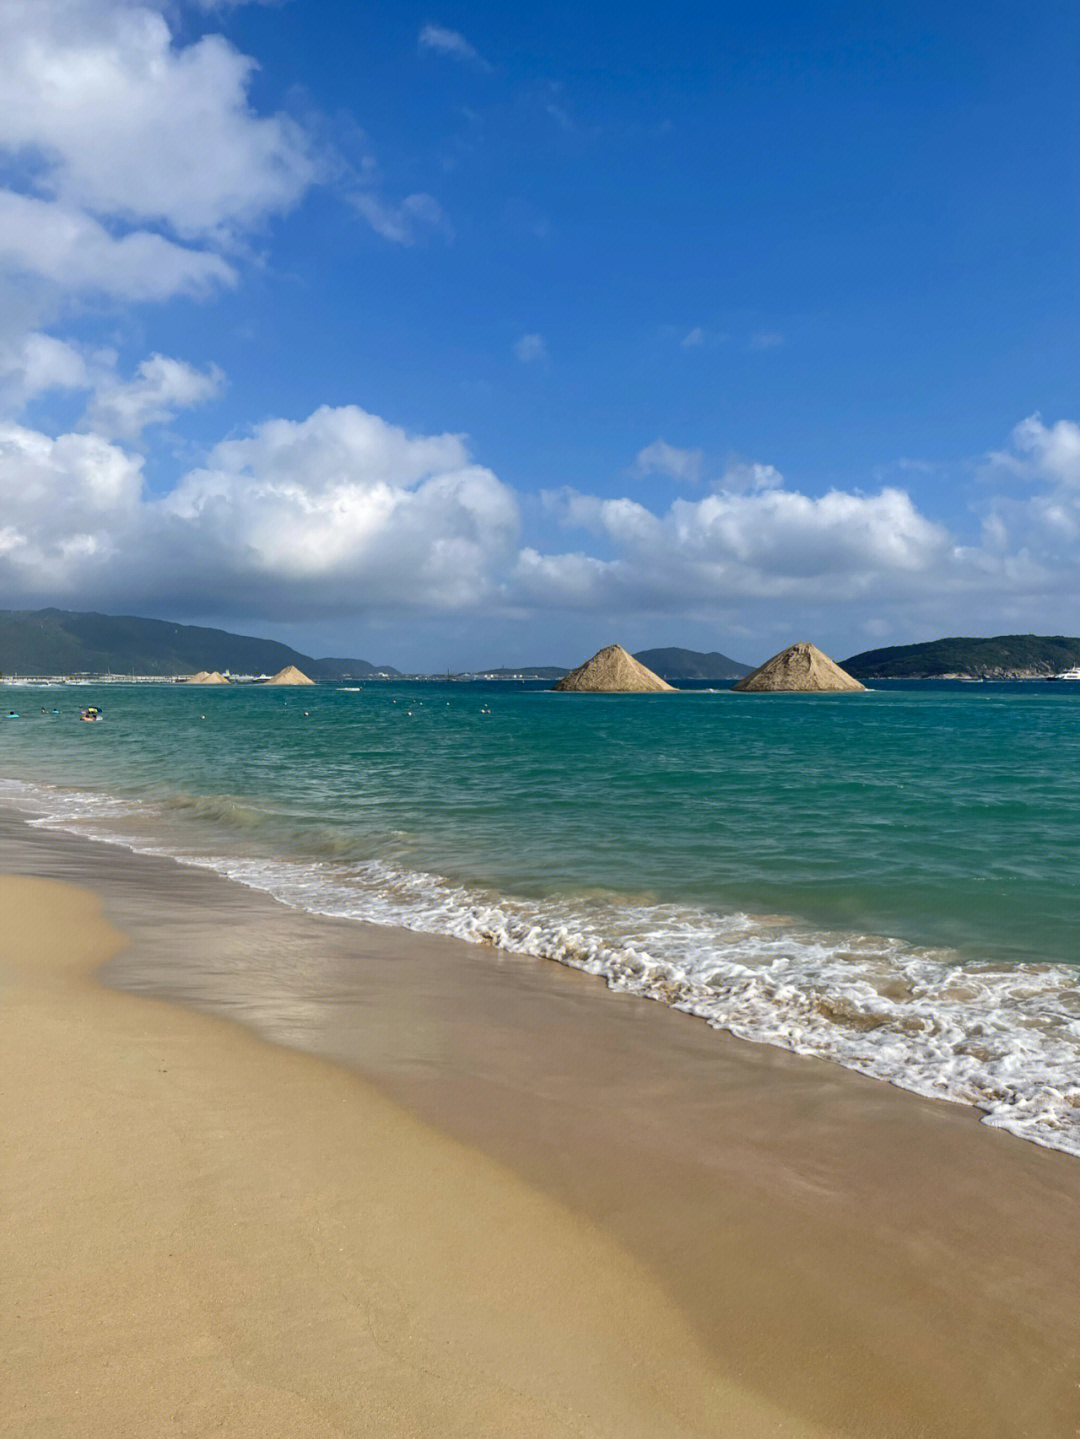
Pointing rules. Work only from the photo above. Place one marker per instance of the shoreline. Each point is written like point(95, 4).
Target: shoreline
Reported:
point(876, 1263)
point(763, 977)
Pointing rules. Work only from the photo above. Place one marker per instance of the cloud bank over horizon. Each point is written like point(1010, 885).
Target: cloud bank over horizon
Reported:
point(138, 172)
point(345, 516)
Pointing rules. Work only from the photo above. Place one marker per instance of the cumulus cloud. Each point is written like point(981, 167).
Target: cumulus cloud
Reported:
point(450, 42)
point(119, 120)
point(660, 458)
point(531, 348)
point(68, 508)
point(344, 514)
point(341, 513)
point(138, 158)
point(76, 253)
point(1043, 452)
point(727, 547)
point(1042, 520)
point(32, 363)
point(161, 387)
point(762, 554)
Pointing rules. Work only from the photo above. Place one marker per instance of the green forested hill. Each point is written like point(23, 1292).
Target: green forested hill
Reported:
point(676, 664)
point(52, 642)
point(997, 658)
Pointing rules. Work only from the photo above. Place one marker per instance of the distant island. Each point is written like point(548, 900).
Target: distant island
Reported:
point(69, 642)
point(1000, 658)
point(676, 664)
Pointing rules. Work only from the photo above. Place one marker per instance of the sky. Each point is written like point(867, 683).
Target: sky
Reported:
point(453, 335)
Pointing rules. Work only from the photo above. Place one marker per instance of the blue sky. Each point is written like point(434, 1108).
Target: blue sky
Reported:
point(460, 337)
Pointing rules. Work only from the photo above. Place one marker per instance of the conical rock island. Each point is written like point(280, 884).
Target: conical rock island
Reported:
point(800, 667)
point(290, 675)
point(612, 671)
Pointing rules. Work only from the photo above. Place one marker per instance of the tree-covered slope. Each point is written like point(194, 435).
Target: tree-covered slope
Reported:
point(70, 642)
point(996, 658)
point(676, 664)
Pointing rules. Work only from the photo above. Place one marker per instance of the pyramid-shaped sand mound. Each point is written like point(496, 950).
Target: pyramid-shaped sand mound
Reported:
point(290, 675)
point(207, 677)
point(800, 667)
point(612, 671)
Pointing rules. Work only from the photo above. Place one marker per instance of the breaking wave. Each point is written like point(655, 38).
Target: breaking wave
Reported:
point(1002, 1038)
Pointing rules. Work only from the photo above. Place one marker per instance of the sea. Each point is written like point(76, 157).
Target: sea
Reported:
point(885, 880)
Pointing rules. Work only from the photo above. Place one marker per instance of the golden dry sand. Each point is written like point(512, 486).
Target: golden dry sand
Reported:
point(205, 1234)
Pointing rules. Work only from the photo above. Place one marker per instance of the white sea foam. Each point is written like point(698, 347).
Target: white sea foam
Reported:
point(1005, 1039)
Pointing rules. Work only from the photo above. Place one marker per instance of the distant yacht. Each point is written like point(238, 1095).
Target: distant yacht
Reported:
point(1073, 674)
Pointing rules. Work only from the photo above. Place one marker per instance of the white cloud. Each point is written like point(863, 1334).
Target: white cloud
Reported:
point(68, 508)
point(766, 340)
point(1041, 452)
point(119, 120)
point(845, 563)
point(449, 42)
point(403, 222)
point(344, 514)
point(740, 477)
point(693, 338)
point(161, 387)
point(138, 158)
point(32, 363)
point(728, 547)
point(531, 348)
point(1044, 522)
point(660, 458)
point(76, 253)
point(340, 513)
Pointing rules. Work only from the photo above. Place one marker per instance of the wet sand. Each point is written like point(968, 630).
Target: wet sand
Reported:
point(816, 1253)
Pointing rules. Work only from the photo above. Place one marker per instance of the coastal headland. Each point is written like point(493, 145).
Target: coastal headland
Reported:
point(464, 1193)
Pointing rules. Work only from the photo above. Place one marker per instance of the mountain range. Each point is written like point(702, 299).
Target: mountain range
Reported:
point(54, 642)
point(675, 664)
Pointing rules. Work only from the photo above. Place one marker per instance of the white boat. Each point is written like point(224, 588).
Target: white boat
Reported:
point(1073, 674)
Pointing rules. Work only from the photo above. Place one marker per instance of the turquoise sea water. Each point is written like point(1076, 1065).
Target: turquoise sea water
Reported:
point(887, 879)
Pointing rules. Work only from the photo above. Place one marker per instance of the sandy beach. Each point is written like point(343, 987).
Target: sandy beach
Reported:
point(424, 1189)
point(207, 1235)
